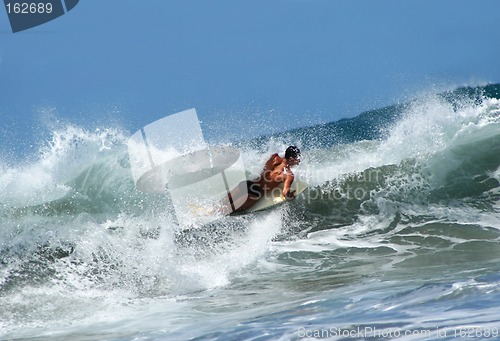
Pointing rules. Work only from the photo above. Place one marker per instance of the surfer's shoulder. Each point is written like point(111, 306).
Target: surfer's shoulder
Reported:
point(272, 162)
point(275, 159)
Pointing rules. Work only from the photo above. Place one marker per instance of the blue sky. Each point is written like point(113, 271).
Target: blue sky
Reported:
point(249, 67)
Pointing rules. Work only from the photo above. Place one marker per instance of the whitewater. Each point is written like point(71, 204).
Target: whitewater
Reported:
point(397, 237)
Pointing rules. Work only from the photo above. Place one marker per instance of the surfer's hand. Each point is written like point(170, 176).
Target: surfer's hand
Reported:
point(290, 195)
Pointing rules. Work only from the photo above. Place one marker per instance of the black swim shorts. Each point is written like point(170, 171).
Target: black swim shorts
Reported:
point(253, 189)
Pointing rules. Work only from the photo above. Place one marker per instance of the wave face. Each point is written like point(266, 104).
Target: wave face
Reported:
point(413, 186)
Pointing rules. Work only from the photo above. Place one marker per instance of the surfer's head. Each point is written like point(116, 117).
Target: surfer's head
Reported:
point(292, 155)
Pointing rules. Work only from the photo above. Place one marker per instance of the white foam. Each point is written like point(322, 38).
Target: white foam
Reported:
point(218, 269)
point(428, 127)
point(69, 152)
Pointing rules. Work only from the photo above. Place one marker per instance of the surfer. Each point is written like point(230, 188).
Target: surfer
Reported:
point(277, 170)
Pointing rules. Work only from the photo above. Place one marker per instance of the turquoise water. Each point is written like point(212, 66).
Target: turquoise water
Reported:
point(396, 238)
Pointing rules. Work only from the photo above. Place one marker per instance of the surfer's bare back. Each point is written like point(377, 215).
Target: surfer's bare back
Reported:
point(277, 170)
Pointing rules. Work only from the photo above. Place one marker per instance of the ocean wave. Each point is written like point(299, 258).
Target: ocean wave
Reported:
point(426, 175)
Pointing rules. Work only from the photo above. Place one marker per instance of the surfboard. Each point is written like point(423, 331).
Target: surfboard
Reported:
point(274, 198)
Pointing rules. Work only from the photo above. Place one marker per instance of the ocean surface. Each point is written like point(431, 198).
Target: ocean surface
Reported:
point(397, 237)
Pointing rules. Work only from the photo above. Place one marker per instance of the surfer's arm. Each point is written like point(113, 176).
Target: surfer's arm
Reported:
point(286, 186)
